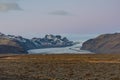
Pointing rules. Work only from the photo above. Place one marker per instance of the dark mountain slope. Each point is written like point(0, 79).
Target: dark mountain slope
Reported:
point(18, 44)
point(106, 43)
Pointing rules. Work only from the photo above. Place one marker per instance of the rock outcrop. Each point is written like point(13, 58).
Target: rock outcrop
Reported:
point(51, 41)
point(106, 43)
point(18, 44)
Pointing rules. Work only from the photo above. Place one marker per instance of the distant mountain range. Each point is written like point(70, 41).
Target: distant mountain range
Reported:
point(18, 44)
point(106, 43)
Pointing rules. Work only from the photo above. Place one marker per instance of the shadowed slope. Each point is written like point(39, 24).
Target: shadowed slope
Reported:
point(107, 43)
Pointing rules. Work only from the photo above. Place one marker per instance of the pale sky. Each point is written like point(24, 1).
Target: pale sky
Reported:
point(30, 17)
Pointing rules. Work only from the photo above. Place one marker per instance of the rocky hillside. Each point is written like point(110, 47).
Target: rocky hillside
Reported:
point(18, 44)
point(106, 43)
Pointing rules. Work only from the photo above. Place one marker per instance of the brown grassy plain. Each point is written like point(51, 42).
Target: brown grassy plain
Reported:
point(60, 67)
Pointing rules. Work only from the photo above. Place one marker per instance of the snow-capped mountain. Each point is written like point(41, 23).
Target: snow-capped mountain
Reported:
point(34, 43)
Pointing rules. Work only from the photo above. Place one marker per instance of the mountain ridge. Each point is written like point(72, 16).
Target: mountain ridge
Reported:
point(105, 43)
point(24, 44)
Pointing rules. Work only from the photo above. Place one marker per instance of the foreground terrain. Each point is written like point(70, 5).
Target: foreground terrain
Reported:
point(60, 67)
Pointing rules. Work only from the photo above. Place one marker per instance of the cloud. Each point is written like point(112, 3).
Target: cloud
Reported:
point(59, 12)
point(7, 5)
